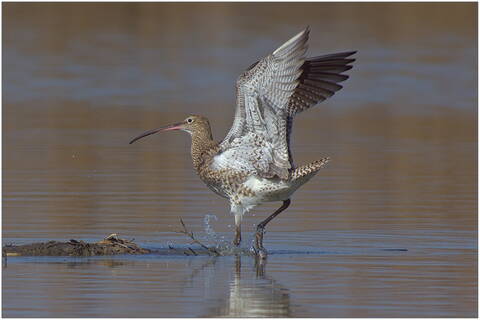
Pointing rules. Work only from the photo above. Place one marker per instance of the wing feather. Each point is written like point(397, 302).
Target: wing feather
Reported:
point(269, 93)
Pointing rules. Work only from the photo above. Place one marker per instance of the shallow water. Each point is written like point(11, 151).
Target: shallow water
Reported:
point(388, 229)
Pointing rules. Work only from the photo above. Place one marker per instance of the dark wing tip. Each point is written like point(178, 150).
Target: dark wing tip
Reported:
point(332, 56)
point(320, 79)
point(349, 53)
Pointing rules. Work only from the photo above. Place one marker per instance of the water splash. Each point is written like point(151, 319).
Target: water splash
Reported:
point(219, 241)
point(170, 244)
point(208, 227)
point(223, 246)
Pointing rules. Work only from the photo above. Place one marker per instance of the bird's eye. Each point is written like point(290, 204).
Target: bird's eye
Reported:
point(189, 120)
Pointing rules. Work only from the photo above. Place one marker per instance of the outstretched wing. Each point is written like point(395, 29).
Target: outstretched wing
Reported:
point(269, 93)
point(318, 81)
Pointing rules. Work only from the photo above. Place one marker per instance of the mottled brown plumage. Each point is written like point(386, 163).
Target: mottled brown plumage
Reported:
point(253, 163)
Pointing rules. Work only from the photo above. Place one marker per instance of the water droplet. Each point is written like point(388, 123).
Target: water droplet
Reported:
point(208, 227)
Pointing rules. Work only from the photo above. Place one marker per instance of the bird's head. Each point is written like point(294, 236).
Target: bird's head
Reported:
point(193, 124)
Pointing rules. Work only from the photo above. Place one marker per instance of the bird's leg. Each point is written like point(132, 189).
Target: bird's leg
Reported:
point(259, 249)
point(238, 235)
point(238, 230)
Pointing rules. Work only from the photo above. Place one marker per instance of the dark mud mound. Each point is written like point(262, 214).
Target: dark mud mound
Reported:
point(111, 245)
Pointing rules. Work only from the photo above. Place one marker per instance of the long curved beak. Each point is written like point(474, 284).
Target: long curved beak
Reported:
point(175, 126)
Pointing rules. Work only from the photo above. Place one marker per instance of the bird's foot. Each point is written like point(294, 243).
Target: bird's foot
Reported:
point(236, 242)
point(258, 248)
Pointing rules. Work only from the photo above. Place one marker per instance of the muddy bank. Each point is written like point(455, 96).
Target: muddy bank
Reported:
point(111, 245)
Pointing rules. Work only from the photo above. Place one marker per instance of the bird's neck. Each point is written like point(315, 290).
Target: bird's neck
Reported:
point(202, 147)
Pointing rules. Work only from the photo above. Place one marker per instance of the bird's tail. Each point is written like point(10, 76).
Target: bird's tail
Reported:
point(309, 170)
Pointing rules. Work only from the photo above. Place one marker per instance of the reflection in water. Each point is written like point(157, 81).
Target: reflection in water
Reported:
point(74, 263)
point(109, 263)
point(263, 297)
point(251, 293)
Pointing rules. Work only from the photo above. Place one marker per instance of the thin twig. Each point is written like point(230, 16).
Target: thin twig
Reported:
point(194, 253)
point(194, 240)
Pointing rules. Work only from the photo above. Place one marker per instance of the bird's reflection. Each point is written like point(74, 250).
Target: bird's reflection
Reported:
point(260, 296)
point(240, 289)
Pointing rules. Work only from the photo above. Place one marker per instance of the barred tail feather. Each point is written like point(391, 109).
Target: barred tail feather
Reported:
point(309, 170)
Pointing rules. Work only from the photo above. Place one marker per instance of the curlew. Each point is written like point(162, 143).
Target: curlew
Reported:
point(253, 163)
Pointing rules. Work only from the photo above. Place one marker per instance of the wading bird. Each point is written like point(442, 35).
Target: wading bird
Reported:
point(253, 164)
